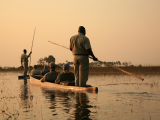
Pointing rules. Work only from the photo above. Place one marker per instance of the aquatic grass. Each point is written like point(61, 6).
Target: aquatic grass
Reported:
point(110, 70)
point(118, 105)
point(41, 112)
point(105, 70)
point(6, 97)
point(149, 116)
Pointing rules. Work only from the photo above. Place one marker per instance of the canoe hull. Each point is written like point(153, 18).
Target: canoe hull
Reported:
point(53, 85)
point(22, 77)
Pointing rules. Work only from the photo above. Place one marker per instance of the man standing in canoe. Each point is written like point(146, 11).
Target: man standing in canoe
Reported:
point(24, 61)
point(81, 48)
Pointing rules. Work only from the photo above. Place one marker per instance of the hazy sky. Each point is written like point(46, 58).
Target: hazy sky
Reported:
point(119, 30)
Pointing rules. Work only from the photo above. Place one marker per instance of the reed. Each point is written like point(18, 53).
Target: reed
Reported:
point(150, 116)
point(104, 70)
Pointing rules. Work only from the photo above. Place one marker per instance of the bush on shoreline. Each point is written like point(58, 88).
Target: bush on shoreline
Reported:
point(99, 70)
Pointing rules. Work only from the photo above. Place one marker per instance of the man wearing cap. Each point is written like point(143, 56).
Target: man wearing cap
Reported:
point(81, 48)
point(35, 71)
point(24, 61)
point(52, 75)
point(45, 70)
point(66, 75)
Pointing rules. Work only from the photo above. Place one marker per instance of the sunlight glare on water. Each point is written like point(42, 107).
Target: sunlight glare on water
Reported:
point(121, 97)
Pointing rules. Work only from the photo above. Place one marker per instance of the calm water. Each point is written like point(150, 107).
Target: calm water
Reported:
point(120, 97)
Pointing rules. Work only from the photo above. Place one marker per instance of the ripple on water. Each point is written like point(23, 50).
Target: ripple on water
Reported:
point(119, 97)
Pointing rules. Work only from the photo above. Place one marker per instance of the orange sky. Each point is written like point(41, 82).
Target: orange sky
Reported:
point(119, 30)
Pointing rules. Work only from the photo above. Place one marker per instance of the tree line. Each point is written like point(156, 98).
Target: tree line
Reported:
point(47, 60)
point(50, 58)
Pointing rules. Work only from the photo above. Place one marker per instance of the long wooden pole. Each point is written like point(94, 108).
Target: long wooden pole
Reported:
point(31, 48)
point(59, 45)
point(33, 39)
point(105, 63)
point(121, 70)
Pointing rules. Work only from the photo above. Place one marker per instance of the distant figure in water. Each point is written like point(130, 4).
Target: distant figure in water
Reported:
point(52, 75)
point(35, 71)
point(81, 49)
point(45, 70)
point(24, 61)
point(66, 75)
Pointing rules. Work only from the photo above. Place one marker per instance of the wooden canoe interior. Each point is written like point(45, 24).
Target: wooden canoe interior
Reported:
point(53, 85)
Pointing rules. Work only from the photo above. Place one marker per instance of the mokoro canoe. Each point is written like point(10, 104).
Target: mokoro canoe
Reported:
point(53, 85)
point(22, 77)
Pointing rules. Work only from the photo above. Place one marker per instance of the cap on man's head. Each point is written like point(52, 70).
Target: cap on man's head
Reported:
point(45, 66)
point(52, 65)
point(35, 66)
point(66, 66)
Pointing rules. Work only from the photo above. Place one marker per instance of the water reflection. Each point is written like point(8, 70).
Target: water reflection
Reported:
point(81, 107)
point(24, 91)
point(119, 97)
point(73, 104)
point(25, 96)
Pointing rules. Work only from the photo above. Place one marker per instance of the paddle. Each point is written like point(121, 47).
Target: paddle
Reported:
point(120, 70)
point(105, 63)
point(31, 49)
